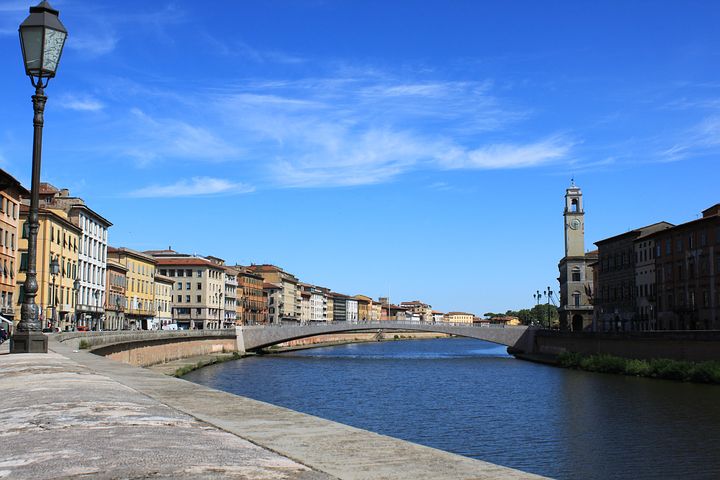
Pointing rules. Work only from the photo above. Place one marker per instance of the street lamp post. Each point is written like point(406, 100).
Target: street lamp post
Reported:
point(537, 296)
point(54, 270)
point(76, 285)
point(42, 37)
point(548, 294)
point(96, 320)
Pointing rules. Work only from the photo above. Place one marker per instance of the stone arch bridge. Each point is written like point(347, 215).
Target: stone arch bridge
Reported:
point(256, 337)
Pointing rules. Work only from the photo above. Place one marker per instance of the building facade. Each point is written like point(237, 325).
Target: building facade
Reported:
point(616, 304)
point(687, 267)
point(274, 297)
point(162, 302)
point(92, 253)
point(289, 307)
point(139, 287)
point(576, 276)
point(418, 311)
point(115, 298)
point(459, 317)
point(198, 290)
point(252, 305)
point(11, 194)
point(58, 239)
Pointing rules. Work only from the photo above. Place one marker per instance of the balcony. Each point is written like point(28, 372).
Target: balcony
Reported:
point(7, 310)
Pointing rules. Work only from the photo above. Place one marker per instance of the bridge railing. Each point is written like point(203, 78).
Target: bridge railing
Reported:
point(383, 323)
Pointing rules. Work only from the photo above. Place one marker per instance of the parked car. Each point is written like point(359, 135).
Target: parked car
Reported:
point(82, 328)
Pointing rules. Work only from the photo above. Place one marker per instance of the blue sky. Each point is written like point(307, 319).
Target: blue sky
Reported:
point(417, 148)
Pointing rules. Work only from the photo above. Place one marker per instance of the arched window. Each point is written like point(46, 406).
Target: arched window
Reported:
point(574, 205)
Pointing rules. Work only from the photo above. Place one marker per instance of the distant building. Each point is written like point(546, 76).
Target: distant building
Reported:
point(290, 304)
point(115, 298)
point(198, 289)
point(274, 297)
point(364, 307)
point(576, 282)
point(616, 298)
point(459, 317)
point(687, 267)
point(437, 316)
point(340, 308)
point(418, 311)
point(162, 301)
point(251, 302)
point(140, 286)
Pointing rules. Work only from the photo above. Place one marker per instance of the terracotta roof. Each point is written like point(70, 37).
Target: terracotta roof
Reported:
point(460, 313)
point(183, 261)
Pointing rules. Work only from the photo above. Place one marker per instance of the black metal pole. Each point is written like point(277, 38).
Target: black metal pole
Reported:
point(29, 337)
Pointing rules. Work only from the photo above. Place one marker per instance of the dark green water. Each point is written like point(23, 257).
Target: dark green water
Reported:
point(468, 397)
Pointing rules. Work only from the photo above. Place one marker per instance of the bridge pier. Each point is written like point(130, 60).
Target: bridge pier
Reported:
point(240, 340)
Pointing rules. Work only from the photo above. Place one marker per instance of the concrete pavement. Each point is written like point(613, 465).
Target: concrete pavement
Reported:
point(72, 414)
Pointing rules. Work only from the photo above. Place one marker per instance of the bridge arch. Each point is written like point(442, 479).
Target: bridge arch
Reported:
point(257, 337)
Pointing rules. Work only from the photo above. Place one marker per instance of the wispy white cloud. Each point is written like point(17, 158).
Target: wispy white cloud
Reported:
point(93, 45)
point(196, 186)
point(701, 139)
point(85, 103)
point(508, 156)
point(156, 139)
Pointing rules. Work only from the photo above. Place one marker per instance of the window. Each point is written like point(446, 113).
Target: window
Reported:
point(187, 298)
point(23, 262)
point(188, 273)
point(199, 299)
point(179, 298)
point(199, 286)
point(576, 299)
point(199, 273)
point(576, 275)
point(179, 285)
point(187, 286)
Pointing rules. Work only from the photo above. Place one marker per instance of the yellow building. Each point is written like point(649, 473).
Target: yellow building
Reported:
point(9, 240)
point(364, 307)
point(57, 239)
point(163, 301)
point(458, 317)
point(140, 286)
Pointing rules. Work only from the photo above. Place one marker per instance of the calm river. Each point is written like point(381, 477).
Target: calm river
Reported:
point(469, 397)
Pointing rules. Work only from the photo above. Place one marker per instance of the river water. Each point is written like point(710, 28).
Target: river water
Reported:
point(469, 397)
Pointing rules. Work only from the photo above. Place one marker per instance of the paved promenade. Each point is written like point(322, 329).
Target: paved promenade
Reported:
point(71, 414)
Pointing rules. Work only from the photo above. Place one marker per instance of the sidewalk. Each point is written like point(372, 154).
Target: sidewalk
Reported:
point(60, 420)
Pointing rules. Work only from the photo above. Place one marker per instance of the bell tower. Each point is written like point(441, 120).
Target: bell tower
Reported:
point(574, 222)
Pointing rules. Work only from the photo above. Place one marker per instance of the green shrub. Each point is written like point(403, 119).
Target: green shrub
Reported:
point(84, 344)
point(705, 372)
point(603, 363)
point(670, 369)
point(569, 359)
point(637, 368)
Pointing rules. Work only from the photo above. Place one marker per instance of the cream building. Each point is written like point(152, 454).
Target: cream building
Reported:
point(458, 317)
point(198, 289)
point(162, 302)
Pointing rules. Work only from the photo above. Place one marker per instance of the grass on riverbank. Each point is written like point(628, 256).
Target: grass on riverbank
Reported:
point(185, 369)
point(665, 368)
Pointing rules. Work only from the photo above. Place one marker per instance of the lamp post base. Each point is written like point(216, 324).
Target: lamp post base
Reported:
point(29, 342)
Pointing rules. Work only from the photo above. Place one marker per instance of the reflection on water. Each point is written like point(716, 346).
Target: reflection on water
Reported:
point(469, 397)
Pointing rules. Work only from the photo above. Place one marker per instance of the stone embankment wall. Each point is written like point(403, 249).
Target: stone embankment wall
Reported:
point(695, 346)
point(143, 355)
point(143, 348)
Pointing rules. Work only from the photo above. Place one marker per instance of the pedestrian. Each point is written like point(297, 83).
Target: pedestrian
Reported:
point(3, 335)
